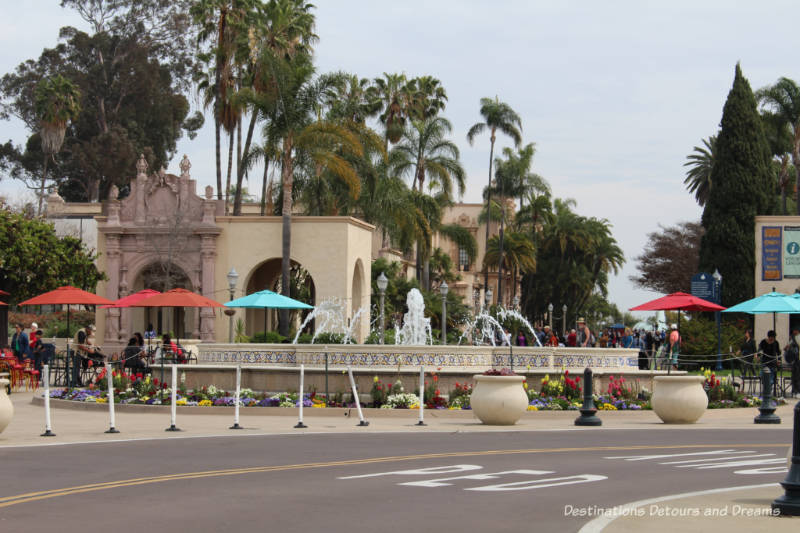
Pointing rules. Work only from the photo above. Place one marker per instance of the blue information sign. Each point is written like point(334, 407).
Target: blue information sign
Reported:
point(704, 286)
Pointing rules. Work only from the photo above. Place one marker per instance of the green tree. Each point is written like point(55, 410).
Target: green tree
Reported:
point(782, 103)
point(743, 185)
point(700, 163)
point(496, 115)
point(34, 260)
point(56, 103)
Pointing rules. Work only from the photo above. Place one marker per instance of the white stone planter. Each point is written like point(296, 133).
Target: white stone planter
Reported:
point(679, 399)
point(499, 400)
point(6, 407)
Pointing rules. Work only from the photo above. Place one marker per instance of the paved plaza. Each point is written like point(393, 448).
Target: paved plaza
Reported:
point(632, 474)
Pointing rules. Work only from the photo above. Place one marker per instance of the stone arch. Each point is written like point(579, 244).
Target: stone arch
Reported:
point(267, 275)
point(183, 323)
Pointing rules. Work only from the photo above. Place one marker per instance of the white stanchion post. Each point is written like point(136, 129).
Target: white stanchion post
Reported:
point(48, 432)
point(361, 422)
point(238, 394)
point(174, 408)
point(300, 423)
point(421, 396)
point(110, 381)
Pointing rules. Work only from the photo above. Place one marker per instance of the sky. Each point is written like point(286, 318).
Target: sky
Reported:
point(615, 94)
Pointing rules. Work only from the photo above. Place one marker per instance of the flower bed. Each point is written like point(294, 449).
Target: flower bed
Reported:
point(564, 393)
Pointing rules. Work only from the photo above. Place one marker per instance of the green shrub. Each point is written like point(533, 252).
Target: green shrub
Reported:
point(269, 337)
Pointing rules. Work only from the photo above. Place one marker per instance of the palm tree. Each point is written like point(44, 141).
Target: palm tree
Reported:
point(783, 99)
point(429, 99)
point(511, 176)
point(425, 152)
point(396, 95)
point(517, 255)
point(56, 101)
point(700, 163)
point(496, 115)
point(295, 123)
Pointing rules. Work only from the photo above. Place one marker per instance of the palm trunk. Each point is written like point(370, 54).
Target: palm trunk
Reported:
point(286, 243)
point(219, 156)
point(488, 214)
point(264, 187)
point(218, 101)
point(41, 190)
point(500, 263)
point(240, 171)
point(230, 167)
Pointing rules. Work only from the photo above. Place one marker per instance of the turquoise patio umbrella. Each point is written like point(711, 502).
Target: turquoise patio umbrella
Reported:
point(771, 302)
point(267, 300)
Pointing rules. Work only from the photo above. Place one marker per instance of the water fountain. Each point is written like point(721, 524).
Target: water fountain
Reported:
point(416, 329)
point(488, 327)
point(330, 316)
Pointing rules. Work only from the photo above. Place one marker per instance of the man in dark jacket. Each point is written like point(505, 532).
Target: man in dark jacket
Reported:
point(19, 343)
point(770, 352)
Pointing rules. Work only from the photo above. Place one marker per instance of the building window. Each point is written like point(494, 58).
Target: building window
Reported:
point(463, 259)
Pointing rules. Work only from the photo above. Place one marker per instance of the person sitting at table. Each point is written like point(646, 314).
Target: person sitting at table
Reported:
point(171, 349)
point(132, 355)
point(86, 348)
point(42, 352)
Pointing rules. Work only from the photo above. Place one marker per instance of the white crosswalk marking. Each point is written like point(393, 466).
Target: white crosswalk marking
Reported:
point(717, 459)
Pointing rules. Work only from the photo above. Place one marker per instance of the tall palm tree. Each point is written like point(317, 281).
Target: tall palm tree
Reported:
point(700, 163)
point(518, 256)
point(512, 176)
point(496, 115)
point(396, 95)
point(426, 152)
point(783, 99)
point(429, 98)
point(57, 102)
point(295, 124)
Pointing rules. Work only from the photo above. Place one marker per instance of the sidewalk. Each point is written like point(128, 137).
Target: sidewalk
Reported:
point(737, 510)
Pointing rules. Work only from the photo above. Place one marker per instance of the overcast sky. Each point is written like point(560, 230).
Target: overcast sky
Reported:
point(614, 94)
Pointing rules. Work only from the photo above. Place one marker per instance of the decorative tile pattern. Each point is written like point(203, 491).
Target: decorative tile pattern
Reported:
point(537, 360)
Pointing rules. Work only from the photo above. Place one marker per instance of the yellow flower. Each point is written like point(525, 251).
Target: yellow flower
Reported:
point(532, 408)
point(205, 403)
point(375, 379)
point(102, 400)
point(320, 405)
point(525, 385)
point(182, 401)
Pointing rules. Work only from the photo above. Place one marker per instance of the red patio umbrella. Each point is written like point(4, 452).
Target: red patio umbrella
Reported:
point(131, 299)
point(177, 298)
point(67, 295)
point(678, 301)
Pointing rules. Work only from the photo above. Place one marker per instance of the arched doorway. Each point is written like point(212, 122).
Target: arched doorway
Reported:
point(179, 321)
point(267, 275)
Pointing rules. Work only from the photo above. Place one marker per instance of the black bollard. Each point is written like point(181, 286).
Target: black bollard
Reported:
point(767, 410)
point(588, 417)
point(789, 503)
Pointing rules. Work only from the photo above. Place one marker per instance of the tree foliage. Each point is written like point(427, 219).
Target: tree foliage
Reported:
point(129, 75)
point(34, 260)
point(670, 258)
point(743, 188)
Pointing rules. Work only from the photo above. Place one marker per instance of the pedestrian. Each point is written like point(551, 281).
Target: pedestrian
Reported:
point(521, 340)
point(572, 338)
point(19, 343)
point(792, 357)
point(747, 351)
point(674, 346)
point(769, 352)
point(585, 338)
point(132, 356)
point(42, 352)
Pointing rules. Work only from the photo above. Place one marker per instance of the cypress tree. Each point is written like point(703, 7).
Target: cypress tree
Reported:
point(743, 188)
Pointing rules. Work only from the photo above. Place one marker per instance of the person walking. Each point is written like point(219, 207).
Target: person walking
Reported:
point(584, 335)
point(674, 346)
point(747, 351)
point(770, 351)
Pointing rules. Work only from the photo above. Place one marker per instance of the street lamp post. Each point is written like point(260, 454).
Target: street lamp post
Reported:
point(550, 312)
point(564, 320)
point(718, 282)
point(443, 288)
point(382, 283)
point(233, 277)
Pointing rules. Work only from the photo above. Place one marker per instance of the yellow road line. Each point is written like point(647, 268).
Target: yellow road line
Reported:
point(53, 493)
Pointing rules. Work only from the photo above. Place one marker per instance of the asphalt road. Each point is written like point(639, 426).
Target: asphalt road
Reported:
point(510, 481)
